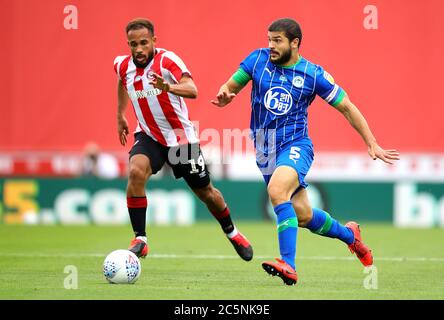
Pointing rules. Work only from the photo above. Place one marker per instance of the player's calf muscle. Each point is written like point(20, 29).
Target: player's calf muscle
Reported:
point(135, 190)
point(304, 215)
point(211, 197)
point(303, 209)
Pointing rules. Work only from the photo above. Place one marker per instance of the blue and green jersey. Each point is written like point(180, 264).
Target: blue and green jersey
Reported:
point(280, 96)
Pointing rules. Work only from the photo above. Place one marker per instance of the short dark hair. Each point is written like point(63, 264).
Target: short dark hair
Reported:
point(140, 23)
point(291, 28)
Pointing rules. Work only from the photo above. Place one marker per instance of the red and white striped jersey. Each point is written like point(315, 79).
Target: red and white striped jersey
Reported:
point(161, 115)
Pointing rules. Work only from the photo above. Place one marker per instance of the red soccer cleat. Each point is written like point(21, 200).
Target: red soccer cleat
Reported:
point(282, 270)
point(242, 246)
point(138, 247)
point(363, 253)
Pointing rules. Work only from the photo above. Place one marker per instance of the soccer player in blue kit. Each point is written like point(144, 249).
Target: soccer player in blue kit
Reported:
point(284, 85)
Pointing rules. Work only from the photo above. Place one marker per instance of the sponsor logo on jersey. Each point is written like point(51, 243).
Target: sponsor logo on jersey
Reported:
point(328, 77)
point(278, 100)
point(143, 94)
point(298, 82)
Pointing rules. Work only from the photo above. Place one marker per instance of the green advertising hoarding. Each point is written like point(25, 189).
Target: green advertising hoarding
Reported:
point(91, 200)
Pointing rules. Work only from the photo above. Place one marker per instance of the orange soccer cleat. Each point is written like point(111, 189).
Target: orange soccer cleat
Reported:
point(139, 248)
point(363, 253)
point(282, 270)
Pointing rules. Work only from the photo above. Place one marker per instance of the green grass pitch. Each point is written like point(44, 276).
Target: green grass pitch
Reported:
point(198, 263)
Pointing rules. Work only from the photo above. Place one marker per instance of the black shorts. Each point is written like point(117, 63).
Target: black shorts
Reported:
point(186, 160)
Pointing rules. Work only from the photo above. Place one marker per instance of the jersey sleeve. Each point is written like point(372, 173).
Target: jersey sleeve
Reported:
point(248, 64)
point(241, 77)
point(117, 63)
point(175, 66)
point(246, 69)
point(327, 89)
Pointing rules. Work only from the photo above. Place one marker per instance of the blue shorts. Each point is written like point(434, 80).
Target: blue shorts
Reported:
point(296, 154)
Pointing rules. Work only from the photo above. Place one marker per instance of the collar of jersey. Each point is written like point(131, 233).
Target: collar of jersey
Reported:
point(293, 65)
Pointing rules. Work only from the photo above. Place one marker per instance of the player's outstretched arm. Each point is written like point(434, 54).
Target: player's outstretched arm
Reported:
point(227, 92)
point(357, 120)
point(185, 88)
point(122, 123)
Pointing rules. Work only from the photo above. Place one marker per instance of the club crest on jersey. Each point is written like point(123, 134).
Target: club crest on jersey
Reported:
point(278, 100)
point(298, 82)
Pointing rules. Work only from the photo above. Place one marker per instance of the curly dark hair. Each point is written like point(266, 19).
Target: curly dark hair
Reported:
point(289, 26)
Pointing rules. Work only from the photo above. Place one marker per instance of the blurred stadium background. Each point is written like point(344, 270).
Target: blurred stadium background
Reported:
point(58, 93)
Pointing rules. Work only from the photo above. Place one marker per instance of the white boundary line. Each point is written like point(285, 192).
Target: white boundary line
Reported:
point(213, 257)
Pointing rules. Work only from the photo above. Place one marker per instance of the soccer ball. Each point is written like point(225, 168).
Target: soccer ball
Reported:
point(121, 266)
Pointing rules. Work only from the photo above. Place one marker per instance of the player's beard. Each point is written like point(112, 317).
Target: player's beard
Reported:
point(147, 61)
point(284, 58)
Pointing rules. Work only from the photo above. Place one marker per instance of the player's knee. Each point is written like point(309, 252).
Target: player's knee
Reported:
point(136, 175)
point(277, 194)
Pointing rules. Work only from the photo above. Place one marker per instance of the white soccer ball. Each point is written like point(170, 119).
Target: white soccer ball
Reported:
point(121, 266)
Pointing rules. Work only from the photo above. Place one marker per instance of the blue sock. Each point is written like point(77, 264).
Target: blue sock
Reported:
point(287, 232)
point(326, 226)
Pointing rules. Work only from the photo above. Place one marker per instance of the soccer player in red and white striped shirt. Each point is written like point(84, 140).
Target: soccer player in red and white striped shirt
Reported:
point(157, 81)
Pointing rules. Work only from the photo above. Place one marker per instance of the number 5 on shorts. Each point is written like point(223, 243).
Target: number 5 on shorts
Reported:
point(294, 153)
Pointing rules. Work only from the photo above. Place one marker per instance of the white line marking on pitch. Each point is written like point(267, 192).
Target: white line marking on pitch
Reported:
point(214, 257)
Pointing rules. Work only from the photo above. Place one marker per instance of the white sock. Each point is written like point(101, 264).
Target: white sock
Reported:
point(233, 233)
point(142, 238)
